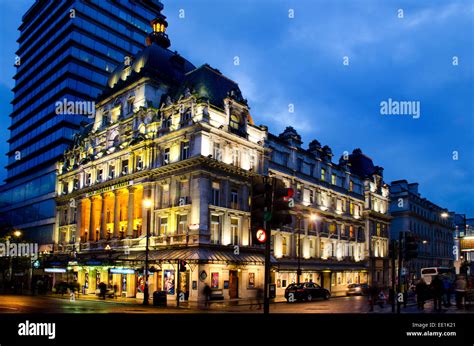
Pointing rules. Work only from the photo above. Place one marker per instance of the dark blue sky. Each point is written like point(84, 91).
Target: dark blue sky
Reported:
point(299, 61)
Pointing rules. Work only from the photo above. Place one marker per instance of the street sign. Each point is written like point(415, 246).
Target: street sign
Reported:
point(261, 235)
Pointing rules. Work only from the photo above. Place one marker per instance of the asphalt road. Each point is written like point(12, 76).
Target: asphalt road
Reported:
point(46, 304)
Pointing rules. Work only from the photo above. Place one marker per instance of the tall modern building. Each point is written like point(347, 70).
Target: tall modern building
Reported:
point(421, 217)
point(67, 50)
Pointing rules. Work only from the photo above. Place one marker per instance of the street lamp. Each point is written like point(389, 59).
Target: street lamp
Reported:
point(147, 203)
point(17, 234)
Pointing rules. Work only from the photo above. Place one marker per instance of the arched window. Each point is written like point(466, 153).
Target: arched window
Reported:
point(235, 121)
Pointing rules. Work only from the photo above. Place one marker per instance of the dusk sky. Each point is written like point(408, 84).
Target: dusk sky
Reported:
point(299, 61)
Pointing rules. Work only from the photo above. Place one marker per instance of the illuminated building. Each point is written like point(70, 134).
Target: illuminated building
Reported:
point(183, 138)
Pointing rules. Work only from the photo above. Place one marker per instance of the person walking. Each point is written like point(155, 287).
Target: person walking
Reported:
point(437, 288)
point(258, 298)
point(448, 287)
point(373, 296)
point(421, 289)
point(460, 290)
point(207, 294)
point(102, 290)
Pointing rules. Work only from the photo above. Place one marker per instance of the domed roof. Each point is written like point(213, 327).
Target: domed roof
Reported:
point(154, 61)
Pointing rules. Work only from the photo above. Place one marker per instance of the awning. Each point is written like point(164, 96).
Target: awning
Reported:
point(318, 265)
point(204, 254)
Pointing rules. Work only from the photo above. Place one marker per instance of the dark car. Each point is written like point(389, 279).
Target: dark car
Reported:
point(306, 291)
point(357, 290)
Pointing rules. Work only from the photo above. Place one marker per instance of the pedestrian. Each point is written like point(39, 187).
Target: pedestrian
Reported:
point(373, 295)
point(437, 288)
point(72, 295)
point(207, 294)
point(448, 287)
point(421, 289)
point(115, 290)
point(102, 290)
point(460, 290)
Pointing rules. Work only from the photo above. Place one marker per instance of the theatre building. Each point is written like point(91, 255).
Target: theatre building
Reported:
point(171, 152)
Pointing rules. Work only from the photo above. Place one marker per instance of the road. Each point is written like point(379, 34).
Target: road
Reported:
point(47, 304)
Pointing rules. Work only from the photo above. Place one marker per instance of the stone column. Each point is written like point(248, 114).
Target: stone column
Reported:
point(78, 220)
point(116, 215)
point(130, 211)
point(103, 221)
point(91, 221)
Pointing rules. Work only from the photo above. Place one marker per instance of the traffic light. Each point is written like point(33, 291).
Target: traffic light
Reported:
point(282, 204)
point(260, 207)
point(182, 266)
point(411, 246)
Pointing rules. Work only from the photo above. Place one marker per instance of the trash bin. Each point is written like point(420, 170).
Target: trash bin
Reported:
point(160, 298)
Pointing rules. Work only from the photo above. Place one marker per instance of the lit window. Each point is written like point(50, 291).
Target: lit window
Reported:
point(323, 174)
point(351, 185)
point(163, 226)
point(182, 224)
point(215, 229)
point(234, 231)
point(235, 121)
point(284, 246)
point(333, 179)
point(165, 196)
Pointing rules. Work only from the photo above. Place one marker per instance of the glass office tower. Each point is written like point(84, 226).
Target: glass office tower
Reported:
point(67, 50)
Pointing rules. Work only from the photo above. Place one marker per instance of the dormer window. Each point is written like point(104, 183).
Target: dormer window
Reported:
point(235, 121)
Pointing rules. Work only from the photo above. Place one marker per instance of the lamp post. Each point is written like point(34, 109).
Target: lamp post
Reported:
point(147, 204)
point(445, 215)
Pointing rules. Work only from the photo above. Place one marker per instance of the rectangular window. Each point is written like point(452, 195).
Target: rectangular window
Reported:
point(217, 152)
point(166, 156)
point(130, 106)
point(351, 231)
point(333, 179)
point(125, 166)
point(311, 196)
point(111, 171)
point(165, 196)
point(139, 162)
point(252, 161)
point(323, 174)
point(100, 175)
point(215, 193)
point(234, 199)
point(234, 231)
point(182, 224)
point(351, 208)
point(163, 226)
point(183, 193)
point(351, 185)
point(184, 150)
point(284, 246)
point(236, 157)
point(215, 229)
point(378, 230)
point(89, 179)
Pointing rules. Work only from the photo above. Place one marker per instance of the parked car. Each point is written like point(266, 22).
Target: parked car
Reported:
point(357, 290)
point(306, 291)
